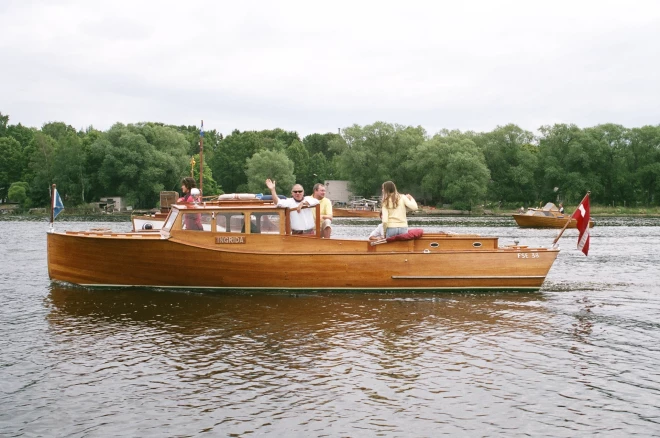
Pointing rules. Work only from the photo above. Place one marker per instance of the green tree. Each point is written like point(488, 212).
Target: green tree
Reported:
point(39, 173)
point(139, 161)
point(24, 136)
point(565, 163)
point(318, 169)
point(452, 168)
point(512, 160)
point(375, 153)
point(649, 176)
point(608, 147)
point(10, 164)
point(212, 139)
point(642, 164)
point(429, 161)
point(285, 138)
point(230, 159)
point(298, 154)
point(4, 121)
point(18, 192)
point(57, 130)
point(69, 170)
point(270, 164)
point(320, 143)
point(210, 186)
point(467, 179)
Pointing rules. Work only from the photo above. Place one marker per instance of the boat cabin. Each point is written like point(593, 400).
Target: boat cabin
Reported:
point(234, 222)
point(548, 210)
point(240, 216)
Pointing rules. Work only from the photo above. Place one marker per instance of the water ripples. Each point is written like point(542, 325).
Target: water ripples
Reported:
point(579, 357)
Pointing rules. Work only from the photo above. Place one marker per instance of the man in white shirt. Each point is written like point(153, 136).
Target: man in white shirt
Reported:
point(302, 221)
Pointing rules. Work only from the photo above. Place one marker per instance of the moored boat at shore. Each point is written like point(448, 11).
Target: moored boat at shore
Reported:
point(245, 244)
point(546, 217)
point(358, 207)
point(353, 212)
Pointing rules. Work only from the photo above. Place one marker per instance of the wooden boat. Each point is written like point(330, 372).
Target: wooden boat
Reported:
point(354, 212)
point(247, 244)
point(546, 217)
point(358, 207)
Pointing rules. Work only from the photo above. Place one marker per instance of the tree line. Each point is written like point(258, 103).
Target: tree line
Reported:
point(507, 166)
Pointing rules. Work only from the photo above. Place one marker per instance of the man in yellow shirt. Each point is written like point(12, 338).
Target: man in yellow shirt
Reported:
point(326, 210)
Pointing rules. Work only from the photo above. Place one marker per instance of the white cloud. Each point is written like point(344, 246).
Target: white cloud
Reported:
point(313, 67)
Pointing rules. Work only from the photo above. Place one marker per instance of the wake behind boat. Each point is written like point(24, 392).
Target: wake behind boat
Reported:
point(245, 244)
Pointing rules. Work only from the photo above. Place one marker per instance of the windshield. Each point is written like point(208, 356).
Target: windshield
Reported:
point(170, 219)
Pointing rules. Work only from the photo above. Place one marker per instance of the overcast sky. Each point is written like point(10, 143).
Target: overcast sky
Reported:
point(310, 66)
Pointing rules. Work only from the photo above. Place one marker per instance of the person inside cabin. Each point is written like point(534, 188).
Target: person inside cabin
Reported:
point(393, 210)
point(187, 184)
point(188, 187)
point(302, 221)
point(326, 210)
point(561, 208)
point(377, 233)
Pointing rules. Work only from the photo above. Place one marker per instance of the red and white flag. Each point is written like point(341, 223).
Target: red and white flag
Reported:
point(582, 216)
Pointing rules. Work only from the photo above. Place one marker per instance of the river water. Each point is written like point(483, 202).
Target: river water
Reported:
point(580, 357)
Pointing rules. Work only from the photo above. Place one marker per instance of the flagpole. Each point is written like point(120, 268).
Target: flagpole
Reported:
point(201, 160)
point(52, 204)
point(570, 218)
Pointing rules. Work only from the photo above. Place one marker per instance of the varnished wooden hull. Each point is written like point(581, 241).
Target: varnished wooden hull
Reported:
point(294, 262)
point(530, 221)
point(348, 212)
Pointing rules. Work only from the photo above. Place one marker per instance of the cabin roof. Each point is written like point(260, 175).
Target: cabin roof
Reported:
point(228, 205)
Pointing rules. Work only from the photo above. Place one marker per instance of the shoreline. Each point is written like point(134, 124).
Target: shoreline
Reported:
point(119, 217)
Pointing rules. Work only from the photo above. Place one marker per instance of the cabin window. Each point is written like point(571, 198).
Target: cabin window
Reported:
point(265, 223)
point(196, 221)
point(230, 222)
point(170, 220)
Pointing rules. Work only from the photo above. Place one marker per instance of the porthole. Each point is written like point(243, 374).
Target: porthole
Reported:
point(434, 245)
point(477, 244)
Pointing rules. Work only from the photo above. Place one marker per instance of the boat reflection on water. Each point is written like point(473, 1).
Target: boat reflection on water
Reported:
point(285, 316)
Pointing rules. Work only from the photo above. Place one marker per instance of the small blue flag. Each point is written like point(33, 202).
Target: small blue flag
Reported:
point(201, 130)
point(57, 204)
